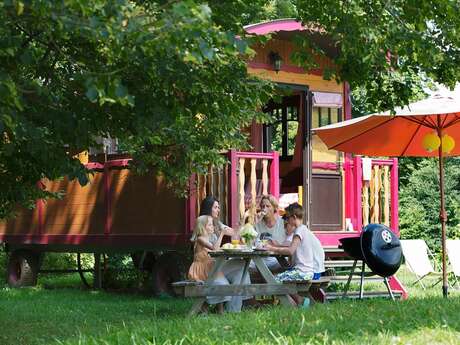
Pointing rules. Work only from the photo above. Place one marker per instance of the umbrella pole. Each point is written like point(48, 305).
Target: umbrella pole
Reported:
point(443, 219)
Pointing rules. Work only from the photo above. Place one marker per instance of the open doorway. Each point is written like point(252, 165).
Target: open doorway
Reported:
point(301, 179)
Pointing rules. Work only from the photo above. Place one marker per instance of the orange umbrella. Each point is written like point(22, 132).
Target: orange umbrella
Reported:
point(426, 128)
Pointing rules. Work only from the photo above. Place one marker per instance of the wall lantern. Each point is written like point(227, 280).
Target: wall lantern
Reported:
point(275, 60)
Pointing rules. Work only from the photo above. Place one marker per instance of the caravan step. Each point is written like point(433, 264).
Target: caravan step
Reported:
point(341, 263)
point(334, 252)
point(355, 277)
point(330, 296)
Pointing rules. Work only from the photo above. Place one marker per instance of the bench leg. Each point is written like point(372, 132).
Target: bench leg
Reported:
point(286, 300)
point(197, 306)
point(317, 295)
point(310, 297)
point(199, 302)
point(245, 270)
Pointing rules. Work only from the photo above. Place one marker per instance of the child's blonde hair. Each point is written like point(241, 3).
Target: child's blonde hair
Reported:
point(200, 226)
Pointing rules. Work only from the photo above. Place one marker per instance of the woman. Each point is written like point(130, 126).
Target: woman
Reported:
point(210, 207)
point(233, 269)
point(270, 226)
point(268, 221)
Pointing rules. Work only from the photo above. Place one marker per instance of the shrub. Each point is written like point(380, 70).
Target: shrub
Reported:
point(119, 272)
point(420, 201)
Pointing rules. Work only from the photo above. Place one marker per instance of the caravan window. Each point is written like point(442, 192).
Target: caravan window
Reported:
point(280, 135)
point(322, 116)
point(327, 108)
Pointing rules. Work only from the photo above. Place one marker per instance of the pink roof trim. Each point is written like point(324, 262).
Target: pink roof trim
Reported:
point(274, 26)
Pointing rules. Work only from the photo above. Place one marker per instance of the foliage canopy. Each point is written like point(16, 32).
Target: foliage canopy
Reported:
point(385, 46)
point(168, 78)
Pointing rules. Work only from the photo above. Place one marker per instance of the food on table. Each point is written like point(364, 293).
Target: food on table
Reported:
point(227, 246)
point(235, 243)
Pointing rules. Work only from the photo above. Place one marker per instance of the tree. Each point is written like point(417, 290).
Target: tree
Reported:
point(387, 50)
point(419, 201)
point(167, 78)
point(385, 46)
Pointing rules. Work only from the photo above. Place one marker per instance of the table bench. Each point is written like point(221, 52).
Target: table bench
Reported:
point(200, 290)
point(313, 289)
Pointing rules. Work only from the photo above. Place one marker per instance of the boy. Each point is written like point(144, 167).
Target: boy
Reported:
point(305, 249)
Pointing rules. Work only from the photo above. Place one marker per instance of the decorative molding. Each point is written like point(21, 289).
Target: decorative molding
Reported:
point(285, 68)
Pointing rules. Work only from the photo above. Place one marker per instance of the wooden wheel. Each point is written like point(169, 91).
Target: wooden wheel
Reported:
point(22, 268)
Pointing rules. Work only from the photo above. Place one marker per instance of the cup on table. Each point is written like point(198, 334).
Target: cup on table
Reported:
point(235, 242)
point(261, 215)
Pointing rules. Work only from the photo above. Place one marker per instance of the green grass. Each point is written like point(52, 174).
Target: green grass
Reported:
point(69, 314)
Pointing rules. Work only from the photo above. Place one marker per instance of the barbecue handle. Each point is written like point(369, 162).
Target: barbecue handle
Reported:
point(390, 246)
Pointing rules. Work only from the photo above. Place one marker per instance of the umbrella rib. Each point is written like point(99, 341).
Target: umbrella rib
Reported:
point(431, 121)
point(444, 121)
point(422, 123)
point(453, 122)
point(359, 134)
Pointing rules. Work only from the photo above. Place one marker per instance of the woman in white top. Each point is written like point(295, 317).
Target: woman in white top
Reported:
point(268, 221)
point(270, 226)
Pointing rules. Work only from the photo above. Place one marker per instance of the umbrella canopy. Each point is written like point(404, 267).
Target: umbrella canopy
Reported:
point(427, 128)
point(397, 135)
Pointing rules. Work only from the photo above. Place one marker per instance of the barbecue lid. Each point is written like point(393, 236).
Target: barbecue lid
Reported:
point(381, 249)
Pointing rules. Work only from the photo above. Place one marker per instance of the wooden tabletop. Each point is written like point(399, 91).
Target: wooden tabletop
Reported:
point(240, 253)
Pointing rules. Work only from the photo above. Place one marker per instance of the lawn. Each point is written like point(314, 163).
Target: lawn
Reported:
point(69, 314)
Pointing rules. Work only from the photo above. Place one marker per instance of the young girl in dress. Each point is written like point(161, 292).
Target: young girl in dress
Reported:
point(202, 262)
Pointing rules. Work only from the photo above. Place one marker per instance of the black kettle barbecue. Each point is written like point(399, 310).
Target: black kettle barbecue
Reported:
point(379, 248)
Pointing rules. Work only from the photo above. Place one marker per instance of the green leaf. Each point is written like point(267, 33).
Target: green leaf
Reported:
point(26, 57)
point(19, 8)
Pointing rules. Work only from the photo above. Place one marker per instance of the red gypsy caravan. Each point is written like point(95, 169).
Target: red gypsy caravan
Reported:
point(121, 212)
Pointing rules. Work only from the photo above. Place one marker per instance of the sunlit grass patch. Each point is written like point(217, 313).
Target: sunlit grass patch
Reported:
point(70, 314)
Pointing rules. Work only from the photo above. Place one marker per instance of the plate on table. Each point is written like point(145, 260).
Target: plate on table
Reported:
point(246, 249)
point(229, 249)
point(237, 249)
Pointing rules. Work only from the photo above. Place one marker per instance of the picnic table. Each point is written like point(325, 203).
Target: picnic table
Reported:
point(270, 287)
